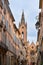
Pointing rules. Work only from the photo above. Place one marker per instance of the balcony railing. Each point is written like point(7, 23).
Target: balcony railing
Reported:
point(5, 43)
point(21, 48)
point(3, 40)
point(17, 41)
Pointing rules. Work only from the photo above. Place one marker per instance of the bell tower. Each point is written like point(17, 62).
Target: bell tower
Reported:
point(23, 28)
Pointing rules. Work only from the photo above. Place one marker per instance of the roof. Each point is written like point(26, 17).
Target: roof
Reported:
point(7, 1)
point(11, 15)
point(32, 43)
point(16, 28)
point(23, 19)
point(9, 10)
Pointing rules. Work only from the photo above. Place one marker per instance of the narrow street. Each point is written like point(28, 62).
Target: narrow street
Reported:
point(21, 35)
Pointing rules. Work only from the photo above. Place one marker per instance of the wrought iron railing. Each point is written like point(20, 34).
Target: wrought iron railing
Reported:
point(6, 43)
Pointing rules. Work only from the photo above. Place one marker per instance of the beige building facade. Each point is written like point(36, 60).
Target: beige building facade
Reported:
point(11, 52)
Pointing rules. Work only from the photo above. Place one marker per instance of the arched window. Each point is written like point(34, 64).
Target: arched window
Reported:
point(22, 35)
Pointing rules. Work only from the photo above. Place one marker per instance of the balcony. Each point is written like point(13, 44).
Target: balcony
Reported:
point(5, 44)
point(3, 41)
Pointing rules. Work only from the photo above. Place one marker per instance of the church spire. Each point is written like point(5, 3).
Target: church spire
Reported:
point(23, 19)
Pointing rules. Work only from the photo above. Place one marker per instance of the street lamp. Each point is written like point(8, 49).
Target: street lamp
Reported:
point(37, 25)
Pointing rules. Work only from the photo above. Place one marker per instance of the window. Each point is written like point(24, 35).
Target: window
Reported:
point(3, 19)
point(0, 13)
point(32, 52)
point(6, 25)
point(3, 2)
point(8, 60)
point(10, 30)
point(12, 60)
point(22, 26)
point(22, 35)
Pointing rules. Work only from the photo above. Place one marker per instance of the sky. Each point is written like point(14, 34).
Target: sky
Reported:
point(31, 11)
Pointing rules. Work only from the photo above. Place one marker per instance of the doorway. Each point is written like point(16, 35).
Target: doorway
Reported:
point(33, 63)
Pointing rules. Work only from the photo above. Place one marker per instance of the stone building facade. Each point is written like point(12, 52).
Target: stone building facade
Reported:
point(11, 52)
point(39, 26)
